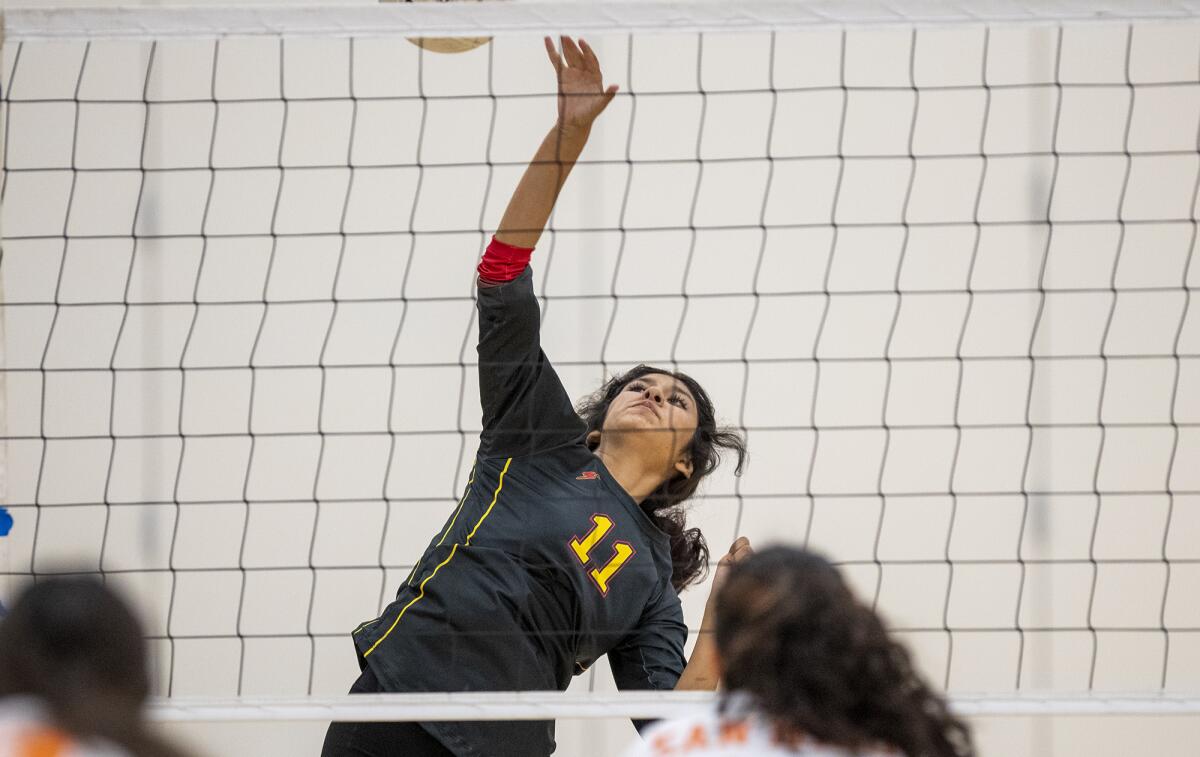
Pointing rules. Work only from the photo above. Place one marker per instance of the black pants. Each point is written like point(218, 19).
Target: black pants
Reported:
point(379, 739)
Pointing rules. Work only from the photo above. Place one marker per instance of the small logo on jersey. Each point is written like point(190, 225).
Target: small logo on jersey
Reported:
point(588, 475)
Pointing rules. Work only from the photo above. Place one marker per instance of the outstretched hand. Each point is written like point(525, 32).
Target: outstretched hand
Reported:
point(703, 670)
point(738, 551)
point(581, 92)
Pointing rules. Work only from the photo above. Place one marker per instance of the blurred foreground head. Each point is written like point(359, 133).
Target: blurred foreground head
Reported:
point(797, 644)
point(75, 646)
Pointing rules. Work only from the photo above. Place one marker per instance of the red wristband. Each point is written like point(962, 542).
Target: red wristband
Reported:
point(503, 262)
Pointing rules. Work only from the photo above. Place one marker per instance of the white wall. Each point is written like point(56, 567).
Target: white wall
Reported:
point(993, 425)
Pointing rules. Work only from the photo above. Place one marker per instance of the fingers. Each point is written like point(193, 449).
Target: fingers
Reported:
point(571, 52)
point(738, 551)
point(609, 94)
point(589, 55)
point(577, 55)
point(555, 58)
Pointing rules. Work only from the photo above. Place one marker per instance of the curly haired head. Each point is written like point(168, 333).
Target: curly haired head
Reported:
point(819, 663)
point(689, 551)
point(74, 645)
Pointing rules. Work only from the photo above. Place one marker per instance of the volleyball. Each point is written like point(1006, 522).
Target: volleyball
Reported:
point(449, 44)
point(445, 44)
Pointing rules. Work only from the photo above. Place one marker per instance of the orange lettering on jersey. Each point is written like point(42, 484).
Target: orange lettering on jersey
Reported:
point(734, 732)
point(601, 525)
point(661, 744)
point(697, 739)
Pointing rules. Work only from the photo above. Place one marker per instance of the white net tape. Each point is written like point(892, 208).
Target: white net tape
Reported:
point(525, 705)
point(517, 17)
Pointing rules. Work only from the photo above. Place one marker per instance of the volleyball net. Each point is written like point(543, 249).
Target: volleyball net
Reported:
point(936, 262)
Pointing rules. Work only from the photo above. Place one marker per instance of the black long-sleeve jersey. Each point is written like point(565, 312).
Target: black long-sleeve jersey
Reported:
point(544, 565)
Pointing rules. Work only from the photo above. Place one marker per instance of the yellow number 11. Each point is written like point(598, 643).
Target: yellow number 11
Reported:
point(601, 525)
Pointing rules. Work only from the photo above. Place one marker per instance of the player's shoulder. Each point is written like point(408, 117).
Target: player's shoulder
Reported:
point(563, 464)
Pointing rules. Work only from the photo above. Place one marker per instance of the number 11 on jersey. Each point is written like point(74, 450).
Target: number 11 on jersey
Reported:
point(601, 525)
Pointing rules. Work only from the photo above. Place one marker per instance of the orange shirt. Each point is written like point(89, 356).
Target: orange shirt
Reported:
point(42, 742)
point(26, 732)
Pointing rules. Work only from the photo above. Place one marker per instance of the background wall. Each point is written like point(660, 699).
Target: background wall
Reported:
point(954, 320)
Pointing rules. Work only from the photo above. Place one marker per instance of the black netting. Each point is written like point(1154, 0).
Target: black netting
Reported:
point(944, 290)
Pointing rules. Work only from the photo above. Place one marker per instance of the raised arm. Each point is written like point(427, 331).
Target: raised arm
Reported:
point(525, 407)
point(581, 98)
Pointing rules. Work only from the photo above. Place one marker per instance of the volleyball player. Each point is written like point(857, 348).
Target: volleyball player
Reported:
point(74, 675)
point(570, 541)
point(809, 671)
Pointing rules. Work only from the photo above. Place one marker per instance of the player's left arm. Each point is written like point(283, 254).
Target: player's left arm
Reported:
point(651, 657)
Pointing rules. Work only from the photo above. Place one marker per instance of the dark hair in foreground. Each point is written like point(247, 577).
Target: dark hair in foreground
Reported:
point(75, 646)
point(818, 663)
point(689, 550)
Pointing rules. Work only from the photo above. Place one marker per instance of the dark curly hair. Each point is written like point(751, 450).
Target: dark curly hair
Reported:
point(76, 647)
point(819, 663)
point(689, 550)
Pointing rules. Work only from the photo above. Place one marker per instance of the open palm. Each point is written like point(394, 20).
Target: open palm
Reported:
point(581, 92)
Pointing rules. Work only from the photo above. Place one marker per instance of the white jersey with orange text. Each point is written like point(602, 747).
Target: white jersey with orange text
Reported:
point(25, 731)
point(709, 734)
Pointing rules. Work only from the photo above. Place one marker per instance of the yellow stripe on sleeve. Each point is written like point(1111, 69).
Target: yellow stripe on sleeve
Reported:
point(453, 551)
point(417, 567)
point(495, 497)
point(453, 520)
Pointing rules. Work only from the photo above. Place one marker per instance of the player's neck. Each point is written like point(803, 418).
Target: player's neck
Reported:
point(629, 467)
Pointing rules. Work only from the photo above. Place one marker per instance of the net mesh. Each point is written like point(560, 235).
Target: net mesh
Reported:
point(941, 277)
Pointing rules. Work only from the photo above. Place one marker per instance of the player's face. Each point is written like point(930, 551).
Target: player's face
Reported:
point(655, 402)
